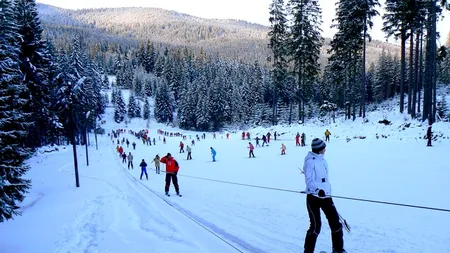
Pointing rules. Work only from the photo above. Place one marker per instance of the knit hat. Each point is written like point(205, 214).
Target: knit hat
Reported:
point(317, 145)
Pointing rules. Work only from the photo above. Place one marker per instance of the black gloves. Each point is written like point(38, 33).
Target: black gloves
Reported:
point(321, 193)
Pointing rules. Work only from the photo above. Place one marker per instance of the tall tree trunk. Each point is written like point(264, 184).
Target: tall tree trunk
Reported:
point(433, 66)
point(411, 69)
point(402, 70)
point(363, 75)
point(416, 73)
point(420, 79)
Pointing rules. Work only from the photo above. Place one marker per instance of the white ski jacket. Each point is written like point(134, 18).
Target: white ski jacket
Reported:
point(316, 174)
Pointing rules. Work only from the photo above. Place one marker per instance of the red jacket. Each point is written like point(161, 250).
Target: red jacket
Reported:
point(171, 164)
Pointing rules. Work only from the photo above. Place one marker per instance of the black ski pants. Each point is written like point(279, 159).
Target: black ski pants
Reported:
point(314, 204)
point(250, 154)
point(172, 177)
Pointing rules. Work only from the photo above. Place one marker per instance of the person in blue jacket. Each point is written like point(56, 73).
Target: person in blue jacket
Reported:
point(213, 153)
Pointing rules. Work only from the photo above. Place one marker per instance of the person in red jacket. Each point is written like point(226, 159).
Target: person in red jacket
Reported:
point(171, 173)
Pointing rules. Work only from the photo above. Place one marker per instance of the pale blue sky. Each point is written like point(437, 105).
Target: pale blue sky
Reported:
point(255, 11)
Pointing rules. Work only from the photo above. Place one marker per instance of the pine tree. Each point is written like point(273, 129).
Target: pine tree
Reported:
point(13, 119)
point(119, 108)
point(304, 44)
point(132, 106)
point(146, 109)
point(278, 37)
point(35, 61)
point(163, 110)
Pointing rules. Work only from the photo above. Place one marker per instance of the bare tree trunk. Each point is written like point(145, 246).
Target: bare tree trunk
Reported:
point(416, 73)
point(411, 69)
point(363, 75)
point(402, 70)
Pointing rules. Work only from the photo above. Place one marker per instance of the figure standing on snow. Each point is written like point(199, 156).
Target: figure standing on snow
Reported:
point(318, 190)
point(263, 138)
point(213, 153)
point(327, 135)
point(171, 173)
point(283, 149)
point(130, 160)
point(124, 157)
point(250, 153)
point(429, 135)
point(134, 145)
point(257, 141)
point(297, 140)
point(188, 149)
point(156, 161)
point(143, 166)
point(181, 147)
point(303, 139)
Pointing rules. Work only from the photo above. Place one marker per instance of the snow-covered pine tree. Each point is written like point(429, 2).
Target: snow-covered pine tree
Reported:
point(146, 109)
point(442, 109)
point(163, 110)
point(35, 61)
point(120, 108)
point(131, 108)
point(278, 36)
point(304, 47)
point(13, 119)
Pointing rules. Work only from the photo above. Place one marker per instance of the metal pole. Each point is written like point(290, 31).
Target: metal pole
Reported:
point(75, 162)
point(85, 139)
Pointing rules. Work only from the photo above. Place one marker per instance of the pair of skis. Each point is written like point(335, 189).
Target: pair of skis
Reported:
point(179, 195)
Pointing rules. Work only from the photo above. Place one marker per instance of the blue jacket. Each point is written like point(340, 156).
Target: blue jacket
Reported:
point(213, 152)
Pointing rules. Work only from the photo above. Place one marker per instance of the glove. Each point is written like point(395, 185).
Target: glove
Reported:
point(321, 193)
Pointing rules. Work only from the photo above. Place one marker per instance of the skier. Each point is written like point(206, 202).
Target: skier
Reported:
point(154, 141)
point(275, 135)
point(257, 141)
point(134, 145)
point(128, 143)
point(283, 149)
point(263, 140)
point(243, 135)
point(297, 140)
point(164, 140)
point(268, 137)
point(130, 160)
point(250, 153)
point(318, 197)
point(143, 166)
point(303, 139)
point(213, 153)
point(193, 142)
point(171, 173)
point(120, 151)
point(429, 135)
point(124, 157)
point(188, 149)
point(248, 135)
point(228, 135)
point(156, 161)
point(181, 147)
point(327, 135)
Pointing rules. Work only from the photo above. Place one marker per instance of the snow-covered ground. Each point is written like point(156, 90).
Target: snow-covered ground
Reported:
point(114, 211)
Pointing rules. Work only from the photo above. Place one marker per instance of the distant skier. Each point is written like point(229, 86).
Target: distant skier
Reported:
point(297, 139)
point(257, 141)
point(164, 140)
point(154, 141)
point(156, 161)
point(327, 135)
point(189, 156)
point(124, 157)
point(228, 135)
point(303, 139)
point(275, 135)
point(171, 173)
point(250, 153)
point(283, 149)
point(181, 147)
point(268, 137)
point(143, 166)
point(263, 138)
point(193, 142)
point(134, 145)
point(318, 197)
point(429, 135)
point(128, 143)
point(130, 160)
point(213, 153)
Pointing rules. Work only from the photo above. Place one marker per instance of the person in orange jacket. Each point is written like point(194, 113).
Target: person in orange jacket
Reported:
point(171, 173)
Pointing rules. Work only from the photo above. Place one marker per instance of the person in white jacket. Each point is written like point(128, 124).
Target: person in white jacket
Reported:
point(318, 189)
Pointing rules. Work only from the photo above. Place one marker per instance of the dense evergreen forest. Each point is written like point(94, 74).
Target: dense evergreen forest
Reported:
point(51, 85)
